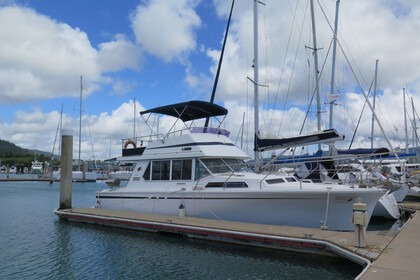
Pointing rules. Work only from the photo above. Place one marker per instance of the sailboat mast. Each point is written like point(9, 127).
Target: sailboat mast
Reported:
point(414, 126)
point(80, 121)
point(315, 48)
point(256, 98)
point(405, 123)
point(332, 102)
point(134, 134)
point(373, 104)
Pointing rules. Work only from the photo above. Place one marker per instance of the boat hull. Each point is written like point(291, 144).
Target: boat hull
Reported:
point(387, 207)
point(313, 209)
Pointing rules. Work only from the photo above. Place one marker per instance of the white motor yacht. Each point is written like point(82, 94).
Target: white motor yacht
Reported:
point(202, 173)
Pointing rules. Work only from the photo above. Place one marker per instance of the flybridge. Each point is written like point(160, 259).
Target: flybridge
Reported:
point(186, 112)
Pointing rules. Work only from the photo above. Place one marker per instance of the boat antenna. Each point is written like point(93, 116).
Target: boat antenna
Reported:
point(216, 80)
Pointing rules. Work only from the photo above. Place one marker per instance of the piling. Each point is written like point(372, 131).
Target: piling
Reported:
point(66, 168)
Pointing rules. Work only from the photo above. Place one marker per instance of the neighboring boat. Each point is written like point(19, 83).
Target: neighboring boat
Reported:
point(113, 182)
point(387, 207)
point(78, 176)
point(202, 172)
point(123, 175)
point(324, 170)
point(12, 170)
point(36, 167)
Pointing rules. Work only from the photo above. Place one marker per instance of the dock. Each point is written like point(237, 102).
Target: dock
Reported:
point(399, 259)
point(376, 258)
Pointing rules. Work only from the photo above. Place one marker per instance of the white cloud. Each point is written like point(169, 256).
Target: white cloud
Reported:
point(368, 30)
point(39, 56)
point(166, 28)
point(118, 54)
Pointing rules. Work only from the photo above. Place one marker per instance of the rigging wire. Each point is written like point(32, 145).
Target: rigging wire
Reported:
point(360, 117)
point(293, 67)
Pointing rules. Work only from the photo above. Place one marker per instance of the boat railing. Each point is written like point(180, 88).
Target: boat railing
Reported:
point(349, 171)
point(212, 130)
point(135, 146)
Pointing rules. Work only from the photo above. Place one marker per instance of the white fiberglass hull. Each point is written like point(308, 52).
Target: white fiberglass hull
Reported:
point(122, 175)
point(78, 175)
point(302, 208)
point(401, 193)
point(387, 207)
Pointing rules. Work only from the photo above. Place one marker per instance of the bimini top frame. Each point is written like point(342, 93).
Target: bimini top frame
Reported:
point(190, 111)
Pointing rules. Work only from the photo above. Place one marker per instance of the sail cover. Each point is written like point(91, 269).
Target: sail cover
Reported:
point(325, 136)
point(374, 152)
point(191, 110)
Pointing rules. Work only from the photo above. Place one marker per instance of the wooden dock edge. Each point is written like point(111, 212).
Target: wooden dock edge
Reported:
point(179, 226)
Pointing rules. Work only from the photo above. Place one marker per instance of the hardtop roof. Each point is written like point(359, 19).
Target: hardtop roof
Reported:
point(190, 110)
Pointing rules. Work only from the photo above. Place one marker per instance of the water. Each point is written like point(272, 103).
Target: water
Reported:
point(36, 244)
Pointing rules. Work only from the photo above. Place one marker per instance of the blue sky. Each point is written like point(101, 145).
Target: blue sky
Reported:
point(162, 52)
point(101, 21)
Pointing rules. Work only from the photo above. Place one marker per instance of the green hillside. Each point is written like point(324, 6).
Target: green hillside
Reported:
point(12, 154)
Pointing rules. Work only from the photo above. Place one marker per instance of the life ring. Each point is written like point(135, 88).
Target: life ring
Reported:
point(130, 142)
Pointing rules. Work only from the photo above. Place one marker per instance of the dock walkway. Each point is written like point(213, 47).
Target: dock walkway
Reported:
point(400, 259)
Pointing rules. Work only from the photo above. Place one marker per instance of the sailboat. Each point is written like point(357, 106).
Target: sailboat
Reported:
point(310, 166)
point(80, 175)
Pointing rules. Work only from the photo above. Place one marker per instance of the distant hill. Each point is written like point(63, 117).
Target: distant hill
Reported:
point(8, 149)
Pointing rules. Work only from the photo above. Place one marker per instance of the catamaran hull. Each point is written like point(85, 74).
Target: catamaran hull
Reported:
point(302, 209)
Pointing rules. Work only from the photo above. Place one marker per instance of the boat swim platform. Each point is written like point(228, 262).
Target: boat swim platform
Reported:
point(382, 246)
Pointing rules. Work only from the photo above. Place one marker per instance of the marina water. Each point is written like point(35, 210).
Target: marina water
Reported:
point(36, 244)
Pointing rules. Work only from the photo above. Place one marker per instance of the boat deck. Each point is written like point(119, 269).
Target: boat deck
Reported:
point(389, 254)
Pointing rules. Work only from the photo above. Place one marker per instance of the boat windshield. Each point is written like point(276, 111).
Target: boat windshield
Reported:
point(237, 165)
point(223, 165)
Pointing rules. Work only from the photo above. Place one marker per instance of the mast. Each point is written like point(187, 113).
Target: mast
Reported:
point(134, 134)
point(332, 102)
point(414, 126)
point(256, 98)
point(59, 126)
point(374, 100)
point(219, 66)
point(315, 48)
point(405, 123)
point(80, 121)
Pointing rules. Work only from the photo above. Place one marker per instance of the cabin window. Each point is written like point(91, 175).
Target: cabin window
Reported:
point(290, 179)
point(181, 169)
point(275, 181)
point(161, 170)
point(146, 174)
point(226, 185)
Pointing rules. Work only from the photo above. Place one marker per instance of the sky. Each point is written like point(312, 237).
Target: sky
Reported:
point(127, 56)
